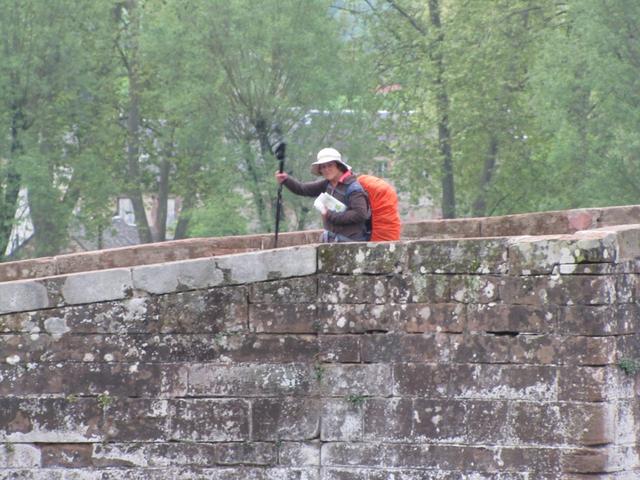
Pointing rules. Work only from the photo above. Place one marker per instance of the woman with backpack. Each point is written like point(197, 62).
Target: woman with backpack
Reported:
point(339, 182)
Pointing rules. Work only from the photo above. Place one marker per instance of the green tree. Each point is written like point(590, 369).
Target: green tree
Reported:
point(465, 127)
point(50, 91)
point(270, 80)
point(585, 94)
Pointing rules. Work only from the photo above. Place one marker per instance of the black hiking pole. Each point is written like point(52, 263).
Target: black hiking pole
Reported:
point(279, 153)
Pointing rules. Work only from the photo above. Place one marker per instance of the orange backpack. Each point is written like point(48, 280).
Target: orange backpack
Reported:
point(385, 219)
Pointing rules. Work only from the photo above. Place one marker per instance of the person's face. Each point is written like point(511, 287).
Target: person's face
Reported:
point(330, 171)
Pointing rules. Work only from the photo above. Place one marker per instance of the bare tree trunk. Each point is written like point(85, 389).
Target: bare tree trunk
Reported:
point(266, 153)
point(256, 187)
point(479, 208)
point(183, 220)
point(134, 122)
point(160, 233)
point(9, 200)
point(444, 131)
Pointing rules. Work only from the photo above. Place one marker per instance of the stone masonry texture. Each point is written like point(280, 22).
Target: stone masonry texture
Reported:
point(480, 358)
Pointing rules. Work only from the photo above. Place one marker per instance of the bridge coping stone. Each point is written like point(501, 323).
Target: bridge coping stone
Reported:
point(524, 255)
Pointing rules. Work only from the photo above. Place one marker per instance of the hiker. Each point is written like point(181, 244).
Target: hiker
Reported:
point(347, 226)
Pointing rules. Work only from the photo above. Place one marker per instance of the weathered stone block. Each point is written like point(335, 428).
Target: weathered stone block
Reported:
point(332, 473)
point(430, 458)
point(362, 379)
point(389, 420)
point(60, 455)
point(627, 240)
point(536, 349)
point(248, 473)
point(188, 454)
point(443, 228)
point(21, 348)
point(589, 351)
point(475, 288)
point(504, 382)
point(268, 348)
point(22, 296)
point(541, 223)
point(96, 348)
point(267, 265)
point(558, 290)
point(217, 310)
point(627, 286)
point(588, 424)
point(537, 462)
point(19, 456)
point(486, 422)
point(405, 348)
point(400, 288)
point(541, 255)
point(130, 315)
point(425, 288)
point(249, 380)
point(342, 420)
point(176, 276)
point(285, 419)
point(299, 454)
point(421, 379)
point(381, 289)
point(24, 269)
point(210, 420)
point(225, 347)
point(247, 453)
point(86, 379)
point(20, 322)
point(497, 318)
point(98, 286)
point(80, 420)
point(627, 319)
point(419, 474)
point(480, 348)
point(433, 317)
point(358, 258)
point(627, 347)
point(598, 320)
point(291, 290)
point(440, 420)
point(586, 384)
point(536, 424)
point(354, 454)
point(360, 318)
point(627, 214)
point(283, 318)
point(340, 349)
point(352, 289)
point(626, 413)
point(134, 419)
point(583, 289)
point(471, 256)
point(588, 460)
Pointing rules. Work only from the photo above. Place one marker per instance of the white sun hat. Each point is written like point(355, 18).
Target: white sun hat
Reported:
point(327, 155)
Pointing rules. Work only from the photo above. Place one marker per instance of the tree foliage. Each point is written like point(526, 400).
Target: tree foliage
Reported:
point(485, 107)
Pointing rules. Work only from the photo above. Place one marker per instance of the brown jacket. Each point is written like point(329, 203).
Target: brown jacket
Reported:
point(350, 223)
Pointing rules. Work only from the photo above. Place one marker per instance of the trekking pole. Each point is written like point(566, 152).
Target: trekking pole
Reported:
point(279, 153)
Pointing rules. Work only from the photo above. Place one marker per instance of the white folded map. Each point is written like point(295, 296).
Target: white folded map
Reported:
point(326, 201)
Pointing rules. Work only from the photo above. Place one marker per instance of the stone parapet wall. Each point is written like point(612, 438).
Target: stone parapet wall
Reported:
point(478, 358)
point(542, 223)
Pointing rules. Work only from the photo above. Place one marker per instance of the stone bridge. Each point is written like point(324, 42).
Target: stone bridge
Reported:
point(501, 348)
